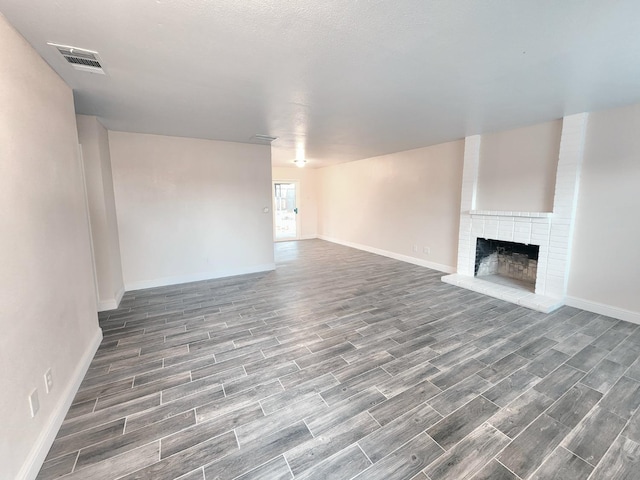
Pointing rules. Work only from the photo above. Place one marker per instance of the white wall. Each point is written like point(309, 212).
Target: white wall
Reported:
point(308, 207)
point(390, 203)
point(605, 266)
point(47, 300)
point(190, 209)
point(518, 168)
point(102, 211)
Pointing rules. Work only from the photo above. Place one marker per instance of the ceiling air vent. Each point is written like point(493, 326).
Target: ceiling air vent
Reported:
point(80, 59)
point(261, 139)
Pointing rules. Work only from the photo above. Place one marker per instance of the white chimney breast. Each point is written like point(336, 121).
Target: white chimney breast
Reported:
point(551, 231)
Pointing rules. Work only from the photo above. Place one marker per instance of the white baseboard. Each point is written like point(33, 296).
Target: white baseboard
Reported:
point(396, 256)
point(304, 237)
point(39, 452)
point(196, 277)
point(119, 295)
point(112, 303)
point(602, 309)
point(105, 305)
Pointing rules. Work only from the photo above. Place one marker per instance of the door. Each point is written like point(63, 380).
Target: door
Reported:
point(285, 201)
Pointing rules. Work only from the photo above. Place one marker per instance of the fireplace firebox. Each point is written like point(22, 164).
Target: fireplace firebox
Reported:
point(518, 261)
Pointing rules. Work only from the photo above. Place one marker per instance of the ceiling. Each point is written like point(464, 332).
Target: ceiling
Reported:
point(339, 80)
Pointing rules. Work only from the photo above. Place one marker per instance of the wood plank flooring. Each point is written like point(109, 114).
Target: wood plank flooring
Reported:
point(342, 364)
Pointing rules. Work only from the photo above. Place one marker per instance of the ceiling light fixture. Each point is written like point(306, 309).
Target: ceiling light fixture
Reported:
point(300, 162)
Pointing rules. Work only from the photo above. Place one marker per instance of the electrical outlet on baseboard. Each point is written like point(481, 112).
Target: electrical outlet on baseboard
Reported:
point(426, 250)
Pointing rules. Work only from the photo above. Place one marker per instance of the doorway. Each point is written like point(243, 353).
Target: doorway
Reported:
point(285, 208)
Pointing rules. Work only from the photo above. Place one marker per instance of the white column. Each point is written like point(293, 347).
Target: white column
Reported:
point(565, 203)
point(466, 251)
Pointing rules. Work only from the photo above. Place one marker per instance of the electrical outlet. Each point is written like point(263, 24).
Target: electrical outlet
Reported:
point(34, 403)
point(415, 249)
point(426, 250)
point(48, 380)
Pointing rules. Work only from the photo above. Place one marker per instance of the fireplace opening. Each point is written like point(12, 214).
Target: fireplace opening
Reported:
point(507, 263)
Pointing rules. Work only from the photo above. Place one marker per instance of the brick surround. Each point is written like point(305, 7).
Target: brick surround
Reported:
point(551, 231)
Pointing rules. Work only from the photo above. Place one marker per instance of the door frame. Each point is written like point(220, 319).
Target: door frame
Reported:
point(273, 209)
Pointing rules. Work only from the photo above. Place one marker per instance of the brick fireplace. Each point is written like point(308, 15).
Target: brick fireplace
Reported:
point(551, 231)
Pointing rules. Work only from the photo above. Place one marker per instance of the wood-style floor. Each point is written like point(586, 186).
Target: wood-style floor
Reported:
point(343, 364)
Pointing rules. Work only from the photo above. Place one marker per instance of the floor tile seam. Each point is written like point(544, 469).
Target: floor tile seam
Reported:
point(511, 440)
point(115, 373)
point(524, 427)
point(111, 364)
point(558, 447)
point(506, 445)
point(77, 453)
point(627, 367)
point(154, 439)
point(522, 367)
point(386, 398)
point(203, 467)
point(157, 407)
point(598, 404)
point(555, 402)
point(620, 434)
point(92, 465)
point(518, 477)
point(611, 413)
point(96, 425)
point(286, 461)
point(551, 373)
point(624, 374)
point(481, 394)
point(148, 359)
point(365, 455)
point(616, 345)
point(75, 462)
point(132, 378)
point(561, 445)
point(396, 449)
point(586, 372)
point(604, 455)
point(482, 423)
point(588, 335)
point(133, 386)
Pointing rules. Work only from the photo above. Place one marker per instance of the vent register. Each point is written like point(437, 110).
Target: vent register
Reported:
point(81, 59)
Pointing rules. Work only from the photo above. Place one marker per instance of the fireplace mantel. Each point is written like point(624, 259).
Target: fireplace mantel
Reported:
point(492, 213)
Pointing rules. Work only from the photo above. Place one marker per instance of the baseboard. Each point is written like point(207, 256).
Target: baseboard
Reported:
point(603, 309)
point(396, 256)
point(304, 237)
point(119, 295)
point(196, 277)
point(105, 305)
point(42, 445)
point(112, 303)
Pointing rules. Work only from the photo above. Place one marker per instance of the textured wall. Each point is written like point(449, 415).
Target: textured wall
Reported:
point(190, 209)
point(48, 303)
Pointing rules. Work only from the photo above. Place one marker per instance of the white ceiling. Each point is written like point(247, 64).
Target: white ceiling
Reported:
point(339, 79)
